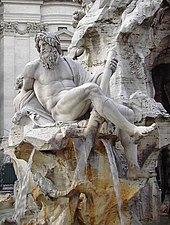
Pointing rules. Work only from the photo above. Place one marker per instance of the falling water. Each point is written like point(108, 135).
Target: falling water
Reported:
point(82, 146)
point(115, 177)
point(20, 204)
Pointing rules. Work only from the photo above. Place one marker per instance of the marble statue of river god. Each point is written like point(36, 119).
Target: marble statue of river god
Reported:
point(58, 88)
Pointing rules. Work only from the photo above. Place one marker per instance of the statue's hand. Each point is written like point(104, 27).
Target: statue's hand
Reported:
point(113, 64)
point(18, 116)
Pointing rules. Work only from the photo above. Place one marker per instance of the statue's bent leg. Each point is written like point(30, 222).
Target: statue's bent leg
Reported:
point(72, 105)
point(130, 148)
point(109, 109)
point(127, 142)
point(76, 102)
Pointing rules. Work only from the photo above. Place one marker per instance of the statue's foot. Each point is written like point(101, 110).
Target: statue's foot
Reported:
point(141, 131)
point(137, 173)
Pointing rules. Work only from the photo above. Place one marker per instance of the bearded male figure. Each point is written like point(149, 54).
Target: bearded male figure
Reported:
point(64, 91)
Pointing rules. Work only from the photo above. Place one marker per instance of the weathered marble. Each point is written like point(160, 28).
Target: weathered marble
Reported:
point(133, 28)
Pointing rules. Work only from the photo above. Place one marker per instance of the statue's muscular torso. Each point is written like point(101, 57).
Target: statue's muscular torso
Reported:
point(63, 92)
point(51, 85)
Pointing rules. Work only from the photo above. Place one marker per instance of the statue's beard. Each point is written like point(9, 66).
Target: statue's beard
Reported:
point(49, 60)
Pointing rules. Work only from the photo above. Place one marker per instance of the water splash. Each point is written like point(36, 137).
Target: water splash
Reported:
point(115, 177)
point(20, 203)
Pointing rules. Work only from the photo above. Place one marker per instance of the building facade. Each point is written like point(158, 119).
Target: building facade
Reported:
point(20, 20)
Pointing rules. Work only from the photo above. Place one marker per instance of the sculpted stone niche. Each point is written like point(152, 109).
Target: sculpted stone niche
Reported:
point(81, 155)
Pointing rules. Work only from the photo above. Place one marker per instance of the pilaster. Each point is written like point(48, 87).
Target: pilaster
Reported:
point(58, 14)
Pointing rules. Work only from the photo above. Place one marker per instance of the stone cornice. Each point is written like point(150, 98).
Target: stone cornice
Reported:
point(13, 27)
point(23, 1)
point(62, 3)
point(58, 0)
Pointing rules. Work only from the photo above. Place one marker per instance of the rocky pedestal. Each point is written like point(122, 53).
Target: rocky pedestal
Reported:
point(54, 187)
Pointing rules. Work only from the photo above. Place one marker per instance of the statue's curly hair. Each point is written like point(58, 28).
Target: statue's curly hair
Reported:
point(50, 38)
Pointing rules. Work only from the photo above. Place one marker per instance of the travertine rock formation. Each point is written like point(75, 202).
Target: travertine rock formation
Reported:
point(51, 191)
point(139, 30)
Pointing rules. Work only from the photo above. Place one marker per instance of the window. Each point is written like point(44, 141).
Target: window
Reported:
point(62, 28)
